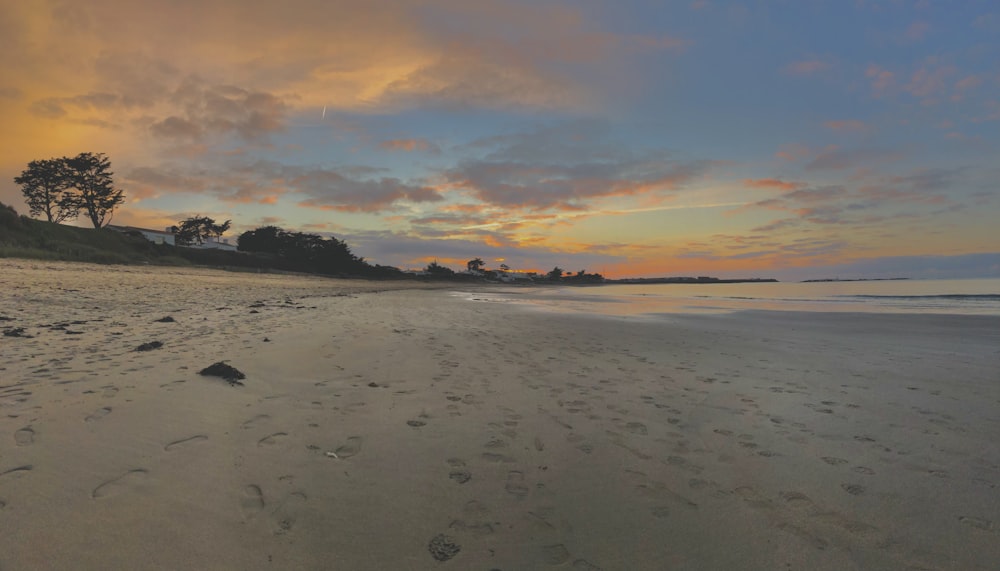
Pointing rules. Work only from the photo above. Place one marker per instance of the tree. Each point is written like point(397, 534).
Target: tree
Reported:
point(45, 186)
point(475, 265)
point(304, 252)
point(436, 269)
point(555, 274)
point(267, 239)
point(504, 268)
point(197, 229)
point(90, 174)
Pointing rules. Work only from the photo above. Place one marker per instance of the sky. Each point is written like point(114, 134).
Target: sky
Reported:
point(785, 138)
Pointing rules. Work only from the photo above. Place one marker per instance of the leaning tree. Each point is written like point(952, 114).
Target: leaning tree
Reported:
point(90, 174)
point(45, 185)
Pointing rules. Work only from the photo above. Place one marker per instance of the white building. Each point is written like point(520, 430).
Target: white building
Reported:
point(213, 243)
point(154, 236)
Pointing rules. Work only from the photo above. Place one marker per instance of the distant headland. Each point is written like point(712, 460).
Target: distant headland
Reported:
point(854, 280)
point(688, 280)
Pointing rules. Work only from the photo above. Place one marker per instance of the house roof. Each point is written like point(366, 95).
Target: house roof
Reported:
point(147, 230)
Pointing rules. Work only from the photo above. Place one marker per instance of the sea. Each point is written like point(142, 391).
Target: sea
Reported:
point(951, 297)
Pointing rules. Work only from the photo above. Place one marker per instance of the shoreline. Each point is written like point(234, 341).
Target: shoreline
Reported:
point(526, 440)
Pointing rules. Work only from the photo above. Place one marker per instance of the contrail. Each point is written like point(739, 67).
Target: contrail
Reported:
point(324, 112)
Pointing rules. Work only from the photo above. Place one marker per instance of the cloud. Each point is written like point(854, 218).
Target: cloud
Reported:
point(344, 189)
point(223, 109)
point(772, 183)
point(835, 158)
point(793, 152)
point(916, 32)
point(882, 80)
point(12, 93)
point(565, 166)
point(329, 190)
point(410, 145)
point(806, 67)
point(846, 125)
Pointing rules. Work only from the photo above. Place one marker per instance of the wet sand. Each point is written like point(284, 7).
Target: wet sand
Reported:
point(403, 429)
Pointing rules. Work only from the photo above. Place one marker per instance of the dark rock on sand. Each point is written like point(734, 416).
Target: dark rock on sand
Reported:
point(232, 375)
point(443, 547)
point(166, 319)
point(148, 346)
point(16, 332)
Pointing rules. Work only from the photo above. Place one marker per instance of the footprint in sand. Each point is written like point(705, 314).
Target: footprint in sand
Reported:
point(977, 522)
point(252, 501)
point(833, 461)
point(515, 484)
point(554, 554)
point(255, 421)
point(24, 436)
point(272, 439)
point(636, 428)
point(17, 471)
point(660, 511)
point(853, 489)
point(98, 414)
point(287, 513)
point(191, 440)
point(350, 448)
point(117, 485)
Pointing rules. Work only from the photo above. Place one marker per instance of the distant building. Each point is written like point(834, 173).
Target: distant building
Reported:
point(213, 243)
point(154, 236)
point(167, 237)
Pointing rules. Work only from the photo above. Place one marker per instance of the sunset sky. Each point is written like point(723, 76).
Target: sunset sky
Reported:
point(789, 139)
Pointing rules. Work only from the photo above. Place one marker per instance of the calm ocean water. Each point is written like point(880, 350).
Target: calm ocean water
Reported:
point(957, 297)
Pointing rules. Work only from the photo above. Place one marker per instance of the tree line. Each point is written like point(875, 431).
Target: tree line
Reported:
point(63, 188)
point(477, 267)
point(60, 189)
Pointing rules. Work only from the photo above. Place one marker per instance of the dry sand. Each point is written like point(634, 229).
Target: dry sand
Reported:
point(388, 429)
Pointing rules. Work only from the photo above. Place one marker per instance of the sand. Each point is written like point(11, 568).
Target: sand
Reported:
point(382, 428)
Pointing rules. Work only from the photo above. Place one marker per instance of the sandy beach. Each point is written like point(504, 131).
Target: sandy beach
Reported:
point(380, 427)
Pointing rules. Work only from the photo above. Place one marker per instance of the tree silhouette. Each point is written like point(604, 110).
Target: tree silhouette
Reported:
point(437, 269)
point(90, 174)
point(45, 184)
point(475, 264)
point(504, 268)
point(555, 274)
point(198, 229)
point(305, 252)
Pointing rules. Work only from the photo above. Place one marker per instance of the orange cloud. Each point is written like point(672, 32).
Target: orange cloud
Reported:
point(772, 183)
point(409, 145)
point(793, 152)
point(881, 79)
